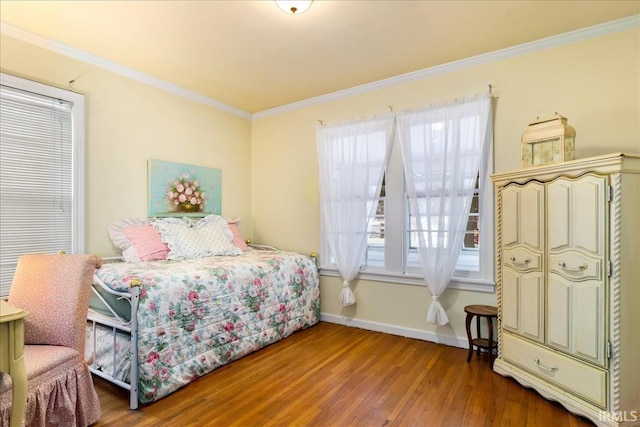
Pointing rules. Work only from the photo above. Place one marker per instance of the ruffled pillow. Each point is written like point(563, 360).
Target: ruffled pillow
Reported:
point(147, 242)
point(210, 236)
point(137, 240)
point(116, 231)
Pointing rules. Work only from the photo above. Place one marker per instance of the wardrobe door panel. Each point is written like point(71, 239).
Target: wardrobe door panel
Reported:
point(587, 323)
point(510, 300)
point(510, 215)
point(531, 306)
point(558, 312)
point(559, 228)
point(589, 214)
point(531, 214)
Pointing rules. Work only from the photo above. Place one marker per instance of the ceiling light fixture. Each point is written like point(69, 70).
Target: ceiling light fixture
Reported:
point(294, 7)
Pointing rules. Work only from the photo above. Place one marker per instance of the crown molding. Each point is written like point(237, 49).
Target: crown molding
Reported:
point(599, 30)
point(63, 49)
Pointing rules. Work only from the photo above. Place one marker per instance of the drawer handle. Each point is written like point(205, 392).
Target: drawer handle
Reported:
point(580, 268)
point(551, 369)
point(523, 262)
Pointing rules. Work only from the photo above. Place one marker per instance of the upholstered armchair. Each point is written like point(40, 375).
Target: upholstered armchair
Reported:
point(55, 290)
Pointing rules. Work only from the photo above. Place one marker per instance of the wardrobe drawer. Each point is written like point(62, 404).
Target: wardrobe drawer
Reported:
point(587, 382)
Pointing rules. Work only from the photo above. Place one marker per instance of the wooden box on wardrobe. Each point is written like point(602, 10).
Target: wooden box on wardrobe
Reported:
point(568, 284)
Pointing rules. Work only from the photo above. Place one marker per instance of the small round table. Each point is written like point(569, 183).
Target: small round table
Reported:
point(479, 311)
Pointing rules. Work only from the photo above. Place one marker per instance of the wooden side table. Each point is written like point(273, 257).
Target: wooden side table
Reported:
point(12, 357)
point(479, 311)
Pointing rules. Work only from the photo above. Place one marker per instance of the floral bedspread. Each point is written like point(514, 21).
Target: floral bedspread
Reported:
point(196, 315)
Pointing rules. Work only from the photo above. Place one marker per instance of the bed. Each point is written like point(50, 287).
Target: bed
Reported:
point(155, 326)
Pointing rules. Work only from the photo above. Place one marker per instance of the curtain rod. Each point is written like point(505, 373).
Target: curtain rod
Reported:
point(391, 106)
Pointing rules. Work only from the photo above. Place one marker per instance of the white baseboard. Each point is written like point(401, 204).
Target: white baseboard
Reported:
point(453, 341)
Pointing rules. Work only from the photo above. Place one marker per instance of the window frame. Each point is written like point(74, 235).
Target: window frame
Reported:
point(396, 225)
point(78, 150)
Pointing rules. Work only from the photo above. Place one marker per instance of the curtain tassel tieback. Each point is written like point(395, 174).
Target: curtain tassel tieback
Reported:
point(346, 295)
point(436, 313)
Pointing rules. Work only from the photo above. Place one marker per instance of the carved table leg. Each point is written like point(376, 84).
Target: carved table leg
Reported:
point(469, 318)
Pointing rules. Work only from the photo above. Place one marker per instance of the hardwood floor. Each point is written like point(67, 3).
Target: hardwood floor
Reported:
point(332, 375)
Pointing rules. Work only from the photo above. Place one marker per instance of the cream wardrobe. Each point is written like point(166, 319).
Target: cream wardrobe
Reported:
point(568, 284)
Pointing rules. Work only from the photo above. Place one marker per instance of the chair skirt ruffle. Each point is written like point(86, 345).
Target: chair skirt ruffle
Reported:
point(63, 396)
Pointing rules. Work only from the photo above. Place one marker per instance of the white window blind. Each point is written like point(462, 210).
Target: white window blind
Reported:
point(38, 204)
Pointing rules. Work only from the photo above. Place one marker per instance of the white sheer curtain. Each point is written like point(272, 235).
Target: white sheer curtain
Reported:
point(442, 149)
point(352, 157)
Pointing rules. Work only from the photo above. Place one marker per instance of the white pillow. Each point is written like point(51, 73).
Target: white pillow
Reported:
point(202, 239)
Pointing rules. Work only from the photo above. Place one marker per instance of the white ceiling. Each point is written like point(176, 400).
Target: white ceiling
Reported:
point(252, 56)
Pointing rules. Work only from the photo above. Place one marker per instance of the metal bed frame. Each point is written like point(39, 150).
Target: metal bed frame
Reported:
point(118, 324)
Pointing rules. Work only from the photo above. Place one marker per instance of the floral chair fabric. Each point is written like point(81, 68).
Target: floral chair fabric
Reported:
point(55, 290)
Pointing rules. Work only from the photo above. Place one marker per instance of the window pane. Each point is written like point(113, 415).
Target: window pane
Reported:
point(472, 237)
point(469, 254)
point(374, 256)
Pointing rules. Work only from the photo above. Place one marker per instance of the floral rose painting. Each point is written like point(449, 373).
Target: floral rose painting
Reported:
point(185, 194)
point(177, 189)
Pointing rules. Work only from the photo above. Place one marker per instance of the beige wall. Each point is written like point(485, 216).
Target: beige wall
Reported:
point(129, 122)
point(269, 167)
point(595, 83)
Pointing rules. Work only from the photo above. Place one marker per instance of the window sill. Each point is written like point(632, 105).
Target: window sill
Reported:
point(461, 283)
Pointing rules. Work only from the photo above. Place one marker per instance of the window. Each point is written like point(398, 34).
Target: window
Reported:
point(41, 172)
point(391, 253)
point(374, 255)
point(469, 259)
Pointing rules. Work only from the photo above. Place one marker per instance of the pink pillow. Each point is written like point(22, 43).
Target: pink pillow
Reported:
point(238, 241)
point(147, 242)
